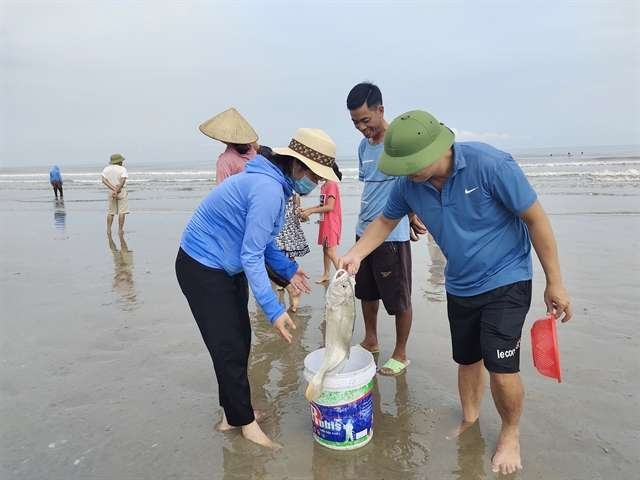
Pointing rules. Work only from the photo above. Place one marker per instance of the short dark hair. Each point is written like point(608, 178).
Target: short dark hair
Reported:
point(365, 93)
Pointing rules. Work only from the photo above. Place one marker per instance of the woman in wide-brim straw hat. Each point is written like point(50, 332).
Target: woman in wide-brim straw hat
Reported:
point(232, 129)
point(225, 247)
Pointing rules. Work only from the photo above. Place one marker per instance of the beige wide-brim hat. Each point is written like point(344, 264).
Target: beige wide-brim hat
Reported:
point(229, 127)
point(315, 149)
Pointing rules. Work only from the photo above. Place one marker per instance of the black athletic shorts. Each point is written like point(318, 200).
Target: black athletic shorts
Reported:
point(386, 274)
point(488, 326)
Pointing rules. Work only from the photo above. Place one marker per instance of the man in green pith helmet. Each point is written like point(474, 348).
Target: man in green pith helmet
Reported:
point(483, 213)
point(114, 177)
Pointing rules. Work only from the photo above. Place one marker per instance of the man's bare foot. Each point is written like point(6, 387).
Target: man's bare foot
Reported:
point(460, 429)
point(323, 279)
point(254, 433)
point(507, 459)
point(223, 425)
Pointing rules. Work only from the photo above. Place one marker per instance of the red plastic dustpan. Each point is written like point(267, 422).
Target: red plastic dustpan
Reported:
point(544, 346)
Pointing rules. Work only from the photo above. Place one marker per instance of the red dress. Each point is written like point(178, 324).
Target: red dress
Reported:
point(331, 224)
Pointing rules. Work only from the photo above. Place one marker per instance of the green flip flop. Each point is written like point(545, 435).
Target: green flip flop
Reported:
point(395, 366)
point(373, 350)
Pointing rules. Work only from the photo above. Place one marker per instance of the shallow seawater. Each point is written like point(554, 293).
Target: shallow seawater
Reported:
point(105, 375)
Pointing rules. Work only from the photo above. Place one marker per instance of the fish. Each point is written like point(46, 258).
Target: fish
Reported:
point(340, 316)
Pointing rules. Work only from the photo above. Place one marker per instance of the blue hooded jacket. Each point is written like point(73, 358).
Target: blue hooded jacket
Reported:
point(234, 227)
point(55, 175)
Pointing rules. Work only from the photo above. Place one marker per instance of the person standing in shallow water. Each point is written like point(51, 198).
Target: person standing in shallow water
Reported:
point(226, 247)
point(114, 177)
point(484, 216)
point(330, 226)
point(232, 129)
point(386, 273)
point(55, 178)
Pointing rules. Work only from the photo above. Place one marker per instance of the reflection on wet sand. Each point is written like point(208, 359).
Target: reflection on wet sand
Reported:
point(59, 215)
point(239, 464)
point(396, 450)
point(276, 388)
point(276, 366)
point(435, 282)
point(471, 450)
point(404, 426)
point(123, 284)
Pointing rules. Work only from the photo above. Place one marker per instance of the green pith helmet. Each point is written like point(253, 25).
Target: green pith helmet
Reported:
point(116, 159)
point(413, 141)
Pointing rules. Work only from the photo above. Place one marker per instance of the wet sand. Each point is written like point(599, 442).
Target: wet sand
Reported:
point(105, 375)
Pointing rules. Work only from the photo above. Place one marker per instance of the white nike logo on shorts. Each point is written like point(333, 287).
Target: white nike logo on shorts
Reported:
point(469, 191)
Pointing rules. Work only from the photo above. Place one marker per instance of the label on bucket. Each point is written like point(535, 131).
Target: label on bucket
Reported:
point(347, 419)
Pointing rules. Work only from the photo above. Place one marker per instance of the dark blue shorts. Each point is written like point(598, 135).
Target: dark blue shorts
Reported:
point(385, 274)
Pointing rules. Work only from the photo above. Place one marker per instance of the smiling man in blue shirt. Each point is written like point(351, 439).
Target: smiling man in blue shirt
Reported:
point(481, 210)
point(386, 273)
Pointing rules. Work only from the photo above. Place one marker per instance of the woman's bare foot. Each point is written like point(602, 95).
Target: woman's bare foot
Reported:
point(223, 425)
point(507, 459)
point(254, 433)
point(323, 279)
point(294, 298)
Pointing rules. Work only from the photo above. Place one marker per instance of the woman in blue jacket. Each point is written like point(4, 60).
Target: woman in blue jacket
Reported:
point(226, 244)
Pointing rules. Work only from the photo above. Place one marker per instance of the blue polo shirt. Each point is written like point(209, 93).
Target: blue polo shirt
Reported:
point(475, 219)
point(376, 191)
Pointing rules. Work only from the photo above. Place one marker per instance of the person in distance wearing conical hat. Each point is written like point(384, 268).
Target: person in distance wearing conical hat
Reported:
point(484, 215)
point(232, 129)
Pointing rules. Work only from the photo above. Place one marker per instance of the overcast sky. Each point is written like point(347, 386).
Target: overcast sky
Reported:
point(82, 79)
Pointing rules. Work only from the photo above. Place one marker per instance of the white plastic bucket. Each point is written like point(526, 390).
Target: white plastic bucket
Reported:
point(342, 417)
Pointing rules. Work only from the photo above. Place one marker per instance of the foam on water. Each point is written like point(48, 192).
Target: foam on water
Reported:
point(568, 173)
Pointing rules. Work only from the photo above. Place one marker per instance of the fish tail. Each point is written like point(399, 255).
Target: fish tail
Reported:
point(315, 387)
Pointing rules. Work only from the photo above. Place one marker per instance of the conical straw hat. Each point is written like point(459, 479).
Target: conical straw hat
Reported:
point(230, 127)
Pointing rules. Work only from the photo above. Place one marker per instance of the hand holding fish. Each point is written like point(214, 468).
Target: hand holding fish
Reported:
point(281, 324)
point(299, 281)
point(350, 262)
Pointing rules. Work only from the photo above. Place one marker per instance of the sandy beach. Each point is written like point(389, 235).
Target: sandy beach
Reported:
point(104, 373)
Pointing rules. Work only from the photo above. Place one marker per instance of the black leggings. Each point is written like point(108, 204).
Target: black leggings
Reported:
point(219, 305)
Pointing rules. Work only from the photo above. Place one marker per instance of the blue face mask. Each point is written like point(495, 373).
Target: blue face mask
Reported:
point(304, 186)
